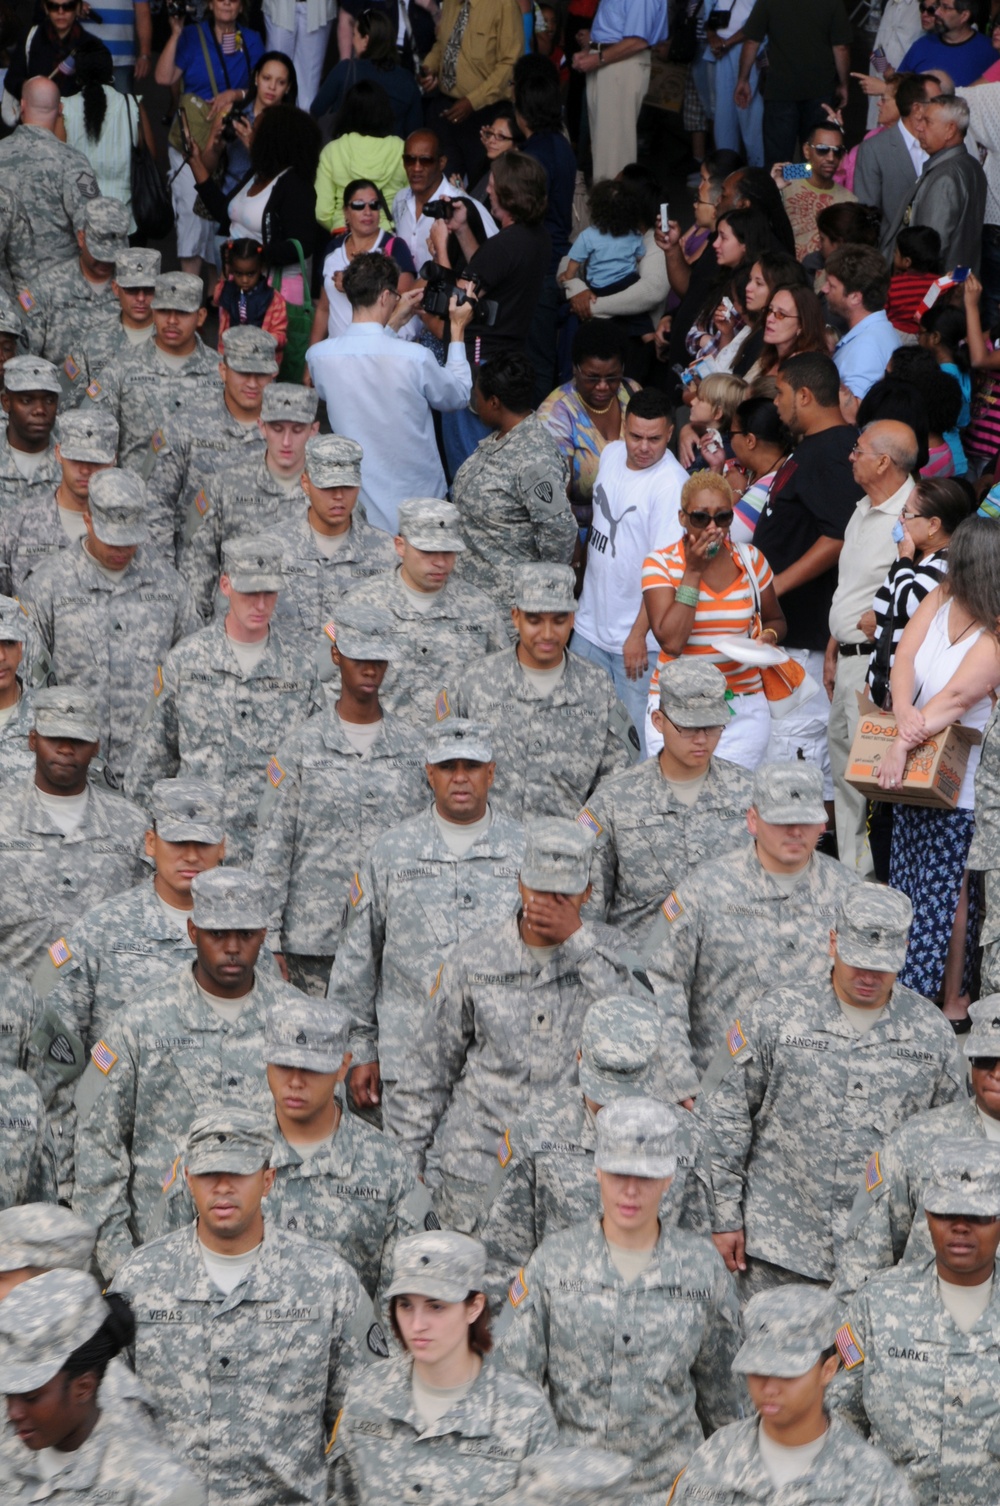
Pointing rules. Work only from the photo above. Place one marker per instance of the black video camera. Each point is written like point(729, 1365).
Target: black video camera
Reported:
point(183, 10)
point(440, 209)
point(228, 131)
point(442, 288)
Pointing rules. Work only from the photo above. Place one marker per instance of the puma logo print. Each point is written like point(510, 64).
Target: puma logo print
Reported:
point(599, 540)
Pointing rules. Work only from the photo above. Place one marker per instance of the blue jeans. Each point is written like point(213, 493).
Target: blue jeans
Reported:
point(632, 693)
point(786, 123)
point(733, 128)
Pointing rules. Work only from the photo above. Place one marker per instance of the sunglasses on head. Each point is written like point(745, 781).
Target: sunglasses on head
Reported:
point(358, 204)
point(410, 159)
point(701, 519)
point(829, 151)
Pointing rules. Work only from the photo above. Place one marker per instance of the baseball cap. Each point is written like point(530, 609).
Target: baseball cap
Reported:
point(228, 1139)
point(439, 1263)
point(333, 460)
point(249, 349)
point(285, 403)
point(543, 587)
point(618, 1048)
point(983, 1039)
point(188, 809)
point(786, 1330)
point(557, 855)
point(137, 268)
point(693, 693)
point(873, 928)
point(46, 1236)
point(105, 228)
point(13, 621)
point(636, 1137)
point(254, 562)
point(11, 322)
point(118, 507)
point(180, 291)
point(230, 899)
point(42, 1322)
point(789, 794)
point(964, 1178)
point(66, 711)
point(306, 1033)
point(458, 738)
point(30, 374)
point(91, 436)
point(357, 630)
point(430, 524)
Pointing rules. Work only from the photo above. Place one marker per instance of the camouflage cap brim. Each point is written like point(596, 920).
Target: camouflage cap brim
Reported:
point(950, 1199)
point(566, 877)
point(104, 249)
point(363, 646)
point(312, 1058)
point(888, 958)
point(760, 1355)
point(249, 581)
point(240, 1160)
point(327, 476)
point(118, 528)
point(66, 724)
point(604, 1087)
point(627, 1163)
point(174, 829)
point(441, 543)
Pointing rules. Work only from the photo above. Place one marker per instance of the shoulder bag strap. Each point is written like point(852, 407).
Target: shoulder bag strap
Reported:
point(208, 60)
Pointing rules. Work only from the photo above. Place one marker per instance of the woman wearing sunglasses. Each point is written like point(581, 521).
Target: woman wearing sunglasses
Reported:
point(804, 197)
point(50, 50)
point(363, 203)
point(698, 589)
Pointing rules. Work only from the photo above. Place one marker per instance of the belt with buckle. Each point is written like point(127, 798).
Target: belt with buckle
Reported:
point(850, 650)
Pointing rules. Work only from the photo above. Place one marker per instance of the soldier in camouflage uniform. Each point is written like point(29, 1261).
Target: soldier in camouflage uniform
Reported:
point(33, 530)
point(658, 821)
point(921, 1348)
point(121, 949)
point(27, 1150)
point(13, 341)
point(65, 844)
point(18, 643)
point(218, 430)
point(544, 1177)
point(741, 924)
point(56, 1335)
point(511, 492)
point(74, 318)
point(400, 1436)
point(330, 547)
point(438, 625)
point(558, 726)
point(332, 789)
point(109, 609)
point(251, 1379)
point(61, 180)
point(30, 399)
point(789, 1358)
point(17, 244)
point(633, 1342)
point(886, 1223)
point(192, 1040)
point(336, 1179)
point(984, 854)
point(827, 1067)
point(136, 271)
point(145, 392)
point(428, 883)
point(225, 696)
point(505, 1017)
point(255, 493)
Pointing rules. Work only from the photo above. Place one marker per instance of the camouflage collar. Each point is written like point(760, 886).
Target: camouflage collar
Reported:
point(444, 602)
point(473, 1417)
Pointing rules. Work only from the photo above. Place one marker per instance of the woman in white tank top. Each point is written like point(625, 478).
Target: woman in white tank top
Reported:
point(946, 669)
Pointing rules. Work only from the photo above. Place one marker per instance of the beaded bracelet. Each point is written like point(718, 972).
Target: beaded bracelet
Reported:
point(687, 596)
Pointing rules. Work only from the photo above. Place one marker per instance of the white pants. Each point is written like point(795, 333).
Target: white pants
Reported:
point(744, 740)
point(195, 236)
point(307, 49)
point(802, 734)
point(614, 99)
point(850, 806)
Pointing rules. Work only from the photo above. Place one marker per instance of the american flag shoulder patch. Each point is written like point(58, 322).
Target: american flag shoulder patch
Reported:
point(171, 1176)
point(71, 369)
point(356, 892)
point(441, 706)
point(330, 630)
point(672, 906)
point(518, 1289)
point(275, 772)
point(589, 821)
point(848, 1347)
point(26, 299)
point(735, 1039)
point(158, 441)
point(201, 502)
point(103, 1057)
point(873, 1173)
point(59, 952)
point(94, 390)
point(504, 1151)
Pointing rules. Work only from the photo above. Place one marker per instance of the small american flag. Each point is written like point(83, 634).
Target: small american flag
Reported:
point(672, 906)
point(589, 822)
point(59, 952)
point(231, 42)
point(850, 1351)
point(735, 1039)
point(441, 707)
point(103, 1057)
point(275, 772)
point(873, 1174)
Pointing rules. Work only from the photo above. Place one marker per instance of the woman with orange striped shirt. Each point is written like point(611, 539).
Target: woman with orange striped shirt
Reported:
point(698, 589)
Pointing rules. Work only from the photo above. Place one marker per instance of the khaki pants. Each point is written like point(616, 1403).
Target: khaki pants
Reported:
point(614, 99)
point(850, 806)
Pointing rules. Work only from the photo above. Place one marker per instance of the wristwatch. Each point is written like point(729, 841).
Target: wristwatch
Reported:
point(600, 54)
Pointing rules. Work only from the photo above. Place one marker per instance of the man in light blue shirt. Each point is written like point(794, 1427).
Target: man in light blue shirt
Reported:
point(380, 389)
point(616, 56)
point(857, 282)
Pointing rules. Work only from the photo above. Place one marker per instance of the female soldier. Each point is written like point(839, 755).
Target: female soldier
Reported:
point(442, 1423)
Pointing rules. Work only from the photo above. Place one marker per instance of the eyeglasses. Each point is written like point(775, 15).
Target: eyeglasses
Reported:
point(927, 10)
point(413, 159)
point(777, 313)
point(691, 732)
point(701, 519)
point(859, 454)
point(358, 204)
point(589, 379)
point(909, 517)
point(985, 1063)
point(828, 151)
point(487, 135)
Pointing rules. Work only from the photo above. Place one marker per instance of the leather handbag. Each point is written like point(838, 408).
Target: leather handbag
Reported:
point(151, 207)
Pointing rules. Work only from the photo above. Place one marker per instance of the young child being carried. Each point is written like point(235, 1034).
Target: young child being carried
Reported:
point(607, 253)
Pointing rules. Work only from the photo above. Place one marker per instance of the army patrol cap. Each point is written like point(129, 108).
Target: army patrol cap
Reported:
point(45, 1236)
point(333, 460)
point(228, 1139)
point(873, 928)
point(441, 1264)
point(636, 1138)
point(619, 1045)
point(11, 322)
point(557, 856)
point(13, 622)
point(541, 587)
point(30, 374)
point(188, 809)
point(66, 711)
point(964, 1178)
point(92, 436)
point(786, 1330)
point(118, 507)
point(230, 899)
point(310, 1033)
point(284, 403)
point(984, 1037)
point(137, 268)
point(42, 1321)
point(250, 350)
point(569, 1477)
point(693, 693)
point(181, 292)
point(254, 562)
point(789, 794)
point(457, 738)
point(105, 228)
point(431, 525)
point(357, 630)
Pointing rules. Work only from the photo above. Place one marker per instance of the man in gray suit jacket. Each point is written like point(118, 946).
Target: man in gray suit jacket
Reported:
point(888, 164)
point(951, 191)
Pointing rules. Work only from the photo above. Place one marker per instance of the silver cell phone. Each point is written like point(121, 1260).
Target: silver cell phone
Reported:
point(664, 214)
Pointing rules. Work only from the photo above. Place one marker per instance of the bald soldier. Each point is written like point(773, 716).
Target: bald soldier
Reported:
point(743, 923)
point(826, 1067)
